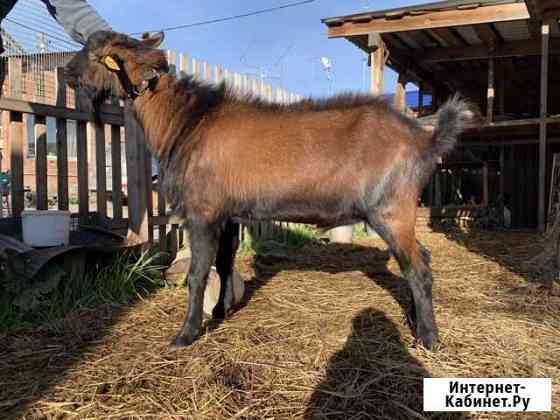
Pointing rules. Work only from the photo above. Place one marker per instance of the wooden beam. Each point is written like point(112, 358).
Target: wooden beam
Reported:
point(490, 91)
point(377, 63)
point(486, 34)
point(400, 94)
point(508, 49)
point(485, 194)
point(110, 114)
point(438, 19)
point(502, 88)
point(502, 188)
point(534, 9)
point(545, 32)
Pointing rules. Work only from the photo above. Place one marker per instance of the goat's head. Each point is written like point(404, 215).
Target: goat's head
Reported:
point(113, 63)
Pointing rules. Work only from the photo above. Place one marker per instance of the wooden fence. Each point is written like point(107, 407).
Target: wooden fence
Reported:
point(103, 153)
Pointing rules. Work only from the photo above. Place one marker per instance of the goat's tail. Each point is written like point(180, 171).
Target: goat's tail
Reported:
point(452, 119)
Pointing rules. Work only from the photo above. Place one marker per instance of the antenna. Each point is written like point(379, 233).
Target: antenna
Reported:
point(327, 66)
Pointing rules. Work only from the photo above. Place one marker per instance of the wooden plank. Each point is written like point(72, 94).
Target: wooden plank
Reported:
point(195, 68)
point(172, 61)
point(110, 114)
point(40, 133)
point(83, 176)
point(400, 94)
point(436, 19)
point(61, 142)
point(502, 188)
point(101, 170)
point(529, 47)
point(490, 91)
point(218, 74)
point(136, 176)
point(502, 88)
point(183, 65)
point(149, 189)
point(116, 172)
point(207, 71)
point(16, 140)
point(5, 160)
point(545, 32)
point(162, 229)
point(485, 197)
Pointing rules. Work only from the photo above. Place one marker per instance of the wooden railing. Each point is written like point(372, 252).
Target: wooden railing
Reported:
point(118, 138)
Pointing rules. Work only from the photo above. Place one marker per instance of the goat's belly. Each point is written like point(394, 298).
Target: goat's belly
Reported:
point(315, 212)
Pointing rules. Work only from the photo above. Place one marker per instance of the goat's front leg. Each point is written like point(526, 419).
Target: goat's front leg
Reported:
point(204, 241)
point(229, 242)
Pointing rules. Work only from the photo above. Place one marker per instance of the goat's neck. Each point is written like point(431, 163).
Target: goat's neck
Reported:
point(153, 111)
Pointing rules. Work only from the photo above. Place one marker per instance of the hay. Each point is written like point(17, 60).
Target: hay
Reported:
point(546, 265)
point(322, 337)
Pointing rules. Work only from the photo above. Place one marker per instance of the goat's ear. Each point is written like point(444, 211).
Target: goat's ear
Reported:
point(153, 41)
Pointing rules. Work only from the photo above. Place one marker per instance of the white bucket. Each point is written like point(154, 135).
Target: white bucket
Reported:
point(45, 227)
point(341, 234)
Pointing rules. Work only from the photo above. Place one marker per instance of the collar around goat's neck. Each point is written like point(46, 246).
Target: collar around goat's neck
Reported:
point(149, 81)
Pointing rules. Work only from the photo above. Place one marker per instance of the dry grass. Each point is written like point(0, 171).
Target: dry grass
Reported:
point(321, 337)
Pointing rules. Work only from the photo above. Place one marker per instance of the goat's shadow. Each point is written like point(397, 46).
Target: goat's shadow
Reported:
point(373, 376)
point(331, 258)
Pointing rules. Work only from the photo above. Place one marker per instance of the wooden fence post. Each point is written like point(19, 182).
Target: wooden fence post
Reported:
point(82, 158)
point(116, 172)
point(541, 215)
point(61, 143)
point(41, 180)
point(183, 65)
point(136, 174)
point(101, 170)
point(16, 162)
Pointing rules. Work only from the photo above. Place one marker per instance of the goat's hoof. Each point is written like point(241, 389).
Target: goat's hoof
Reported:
point(184, 340)
point(429, 339)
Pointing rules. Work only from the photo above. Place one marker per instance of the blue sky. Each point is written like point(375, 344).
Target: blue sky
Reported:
point(286, 44)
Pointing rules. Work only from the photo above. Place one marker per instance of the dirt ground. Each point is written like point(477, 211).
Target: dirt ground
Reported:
point(321, 335)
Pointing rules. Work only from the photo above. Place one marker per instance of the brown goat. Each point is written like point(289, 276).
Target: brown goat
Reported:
point(228, 159)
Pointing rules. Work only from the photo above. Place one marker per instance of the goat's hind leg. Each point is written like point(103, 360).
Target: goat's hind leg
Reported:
point(225, 259)
point(414, 261)
point(204, 242)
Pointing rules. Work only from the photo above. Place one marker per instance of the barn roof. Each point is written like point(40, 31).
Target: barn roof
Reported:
point(449, 42)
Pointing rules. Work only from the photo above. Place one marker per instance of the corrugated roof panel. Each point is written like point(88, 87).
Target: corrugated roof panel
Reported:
point(408, 39)
point(468, 33)
point(435, 6)
point(513, 31)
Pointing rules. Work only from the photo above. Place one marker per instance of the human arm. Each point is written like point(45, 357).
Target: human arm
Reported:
point(77, 17)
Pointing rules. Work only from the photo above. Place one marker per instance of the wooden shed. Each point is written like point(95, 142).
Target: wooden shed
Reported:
point(502, 54)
